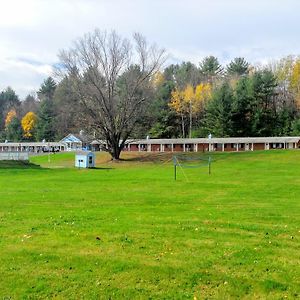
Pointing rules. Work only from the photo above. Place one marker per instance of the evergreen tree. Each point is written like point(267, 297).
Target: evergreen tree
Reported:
point(296, 127)
point(8, 100)
point(237, 67)
point(47, 89)
point(170, 71)
point(186, 73)
point(218, 115)
point(46, 121)
point(210, 68)
point(13, 130)
point(241, 108)
point(165, 123)
point(68, 118)
point(46, 113)
point(284, 121)
point(263, 105)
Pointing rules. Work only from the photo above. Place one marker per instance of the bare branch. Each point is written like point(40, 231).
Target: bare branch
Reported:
point(112, 79)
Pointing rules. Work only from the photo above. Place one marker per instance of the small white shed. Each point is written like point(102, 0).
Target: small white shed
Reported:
point(85, 159)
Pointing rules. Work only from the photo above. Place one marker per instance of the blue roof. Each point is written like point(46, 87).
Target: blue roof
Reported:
point(71, 138)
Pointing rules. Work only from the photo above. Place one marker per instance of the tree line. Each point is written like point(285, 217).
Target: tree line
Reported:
point(40, 116)
point(116, 89)
point(237, 100)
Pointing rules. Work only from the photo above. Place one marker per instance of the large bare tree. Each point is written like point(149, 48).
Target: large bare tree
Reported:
point(111, 77)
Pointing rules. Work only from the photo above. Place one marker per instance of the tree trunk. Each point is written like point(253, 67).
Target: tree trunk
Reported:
point(115, 150)
point(191, 116)
point(182, 125)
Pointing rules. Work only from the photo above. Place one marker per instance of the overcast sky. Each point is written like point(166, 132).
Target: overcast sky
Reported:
point(33, 31)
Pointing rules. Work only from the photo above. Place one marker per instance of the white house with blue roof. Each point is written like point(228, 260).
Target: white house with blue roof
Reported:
point(73, 142)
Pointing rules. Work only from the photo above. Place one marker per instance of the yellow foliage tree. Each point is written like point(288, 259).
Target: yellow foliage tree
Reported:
point(28, 123)
point(203, 91)
point(284, 68)
point(190, 101)
point(10, 115)
point(295, 81)
point(157, 79)
point(179, 104)
point(189, 96)
point(177, 101)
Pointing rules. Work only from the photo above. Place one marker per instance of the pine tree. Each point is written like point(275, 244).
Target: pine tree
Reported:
point(13, 130)
point(47, 89)
point(46, 113)
point(46, 121)
point(218, 114)
point(210, 68)
point(263, 106)
point(237, 67)
point(8, 100)
point(241, 108)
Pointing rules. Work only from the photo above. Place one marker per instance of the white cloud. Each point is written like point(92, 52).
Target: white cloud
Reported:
point(17, 13)
point(33, 31)
point(23, 76)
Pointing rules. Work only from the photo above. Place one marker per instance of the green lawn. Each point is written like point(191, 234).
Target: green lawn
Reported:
point(127, 230)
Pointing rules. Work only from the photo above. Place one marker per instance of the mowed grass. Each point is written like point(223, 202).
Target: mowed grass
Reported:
point(127, 230)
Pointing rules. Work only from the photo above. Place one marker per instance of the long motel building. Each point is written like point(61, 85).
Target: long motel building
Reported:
point(160, 145)
point(207, 144)
point(34, 147)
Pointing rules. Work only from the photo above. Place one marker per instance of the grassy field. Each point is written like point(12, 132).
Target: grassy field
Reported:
point(127, 230)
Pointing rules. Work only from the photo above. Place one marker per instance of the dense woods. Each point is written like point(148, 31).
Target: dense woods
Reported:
point(184, 100)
